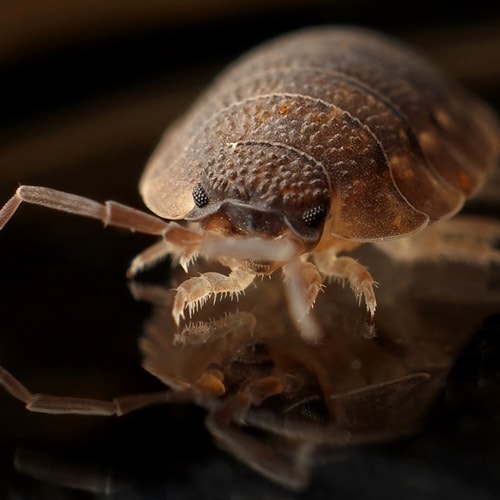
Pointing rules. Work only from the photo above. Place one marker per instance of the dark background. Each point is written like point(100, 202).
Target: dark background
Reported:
point(87, 89)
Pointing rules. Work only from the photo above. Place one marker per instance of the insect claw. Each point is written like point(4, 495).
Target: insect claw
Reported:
point(177, 317)
point(371, 310)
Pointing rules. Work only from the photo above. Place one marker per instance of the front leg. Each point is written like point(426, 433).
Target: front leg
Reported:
point(177, 240)
point(194, 292)
point(349, 269)
point(110, 212)
point(182, 253)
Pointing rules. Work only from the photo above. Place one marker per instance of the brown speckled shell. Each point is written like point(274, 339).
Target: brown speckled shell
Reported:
point(395, 143)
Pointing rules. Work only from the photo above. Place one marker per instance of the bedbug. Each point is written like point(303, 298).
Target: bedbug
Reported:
point(306, 147)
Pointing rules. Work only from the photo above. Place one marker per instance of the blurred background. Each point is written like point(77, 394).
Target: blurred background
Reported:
point(88, 87)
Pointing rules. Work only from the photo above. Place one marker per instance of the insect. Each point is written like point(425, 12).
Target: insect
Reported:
point(305, 148)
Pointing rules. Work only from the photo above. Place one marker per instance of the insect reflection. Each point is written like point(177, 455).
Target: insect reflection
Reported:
point(244, 364)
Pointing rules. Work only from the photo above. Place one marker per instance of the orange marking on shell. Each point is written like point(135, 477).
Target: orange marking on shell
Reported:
point(464, 181)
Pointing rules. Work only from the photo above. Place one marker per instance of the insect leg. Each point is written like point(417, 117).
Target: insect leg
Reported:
point(468, 239)
point(111, 213)
point(311, 284)
point(347, 268)
point(194, 292)
point(180, 241)
point(291, 472)
point(302, 285)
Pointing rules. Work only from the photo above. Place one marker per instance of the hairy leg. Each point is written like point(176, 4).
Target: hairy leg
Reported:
point(348, 269)
point(194, 292)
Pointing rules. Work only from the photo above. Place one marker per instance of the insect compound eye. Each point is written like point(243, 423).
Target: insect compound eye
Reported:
point(314, 216)
point(200, 196)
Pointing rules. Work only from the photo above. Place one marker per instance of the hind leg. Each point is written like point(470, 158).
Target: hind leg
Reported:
point(467, 239)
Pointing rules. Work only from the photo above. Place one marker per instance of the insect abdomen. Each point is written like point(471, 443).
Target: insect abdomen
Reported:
point(413, 110)
point(436, 142)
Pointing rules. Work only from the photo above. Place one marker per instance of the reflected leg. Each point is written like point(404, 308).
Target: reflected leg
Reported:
point(263, 458)
point(44, 403)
